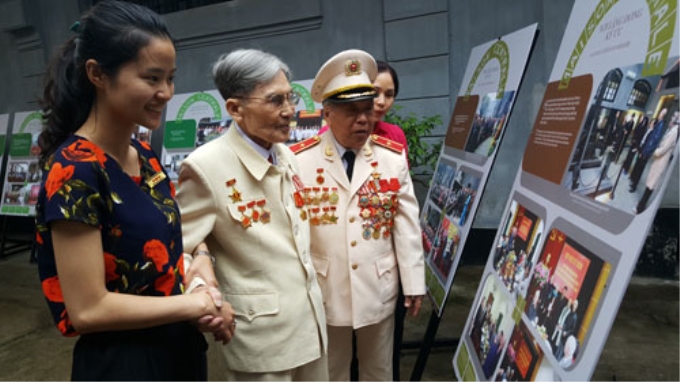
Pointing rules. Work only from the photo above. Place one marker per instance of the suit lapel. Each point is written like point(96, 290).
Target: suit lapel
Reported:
point(256, 165)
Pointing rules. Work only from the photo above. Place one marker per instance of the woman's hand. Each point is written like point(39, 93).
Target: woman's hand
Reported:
point(222, 324)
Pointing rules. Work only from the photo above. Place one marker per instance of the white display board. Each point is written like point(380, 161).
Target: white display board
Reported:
point(490, 84)
point(574, 225)
point(22, 174)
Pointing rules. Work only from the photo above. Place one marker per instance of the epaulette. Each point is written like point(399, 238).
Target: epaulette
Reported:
point(304, 145)
point(387, 143)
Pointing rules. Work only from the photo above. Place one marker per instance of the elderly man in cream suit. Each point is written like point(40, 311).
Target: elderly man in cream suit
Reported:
point(365, 231)
point(236, 195)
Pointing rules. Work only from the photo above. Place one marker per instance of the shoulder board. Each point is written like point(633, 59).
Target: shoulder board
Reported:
point(304, 145)
point(387, 143)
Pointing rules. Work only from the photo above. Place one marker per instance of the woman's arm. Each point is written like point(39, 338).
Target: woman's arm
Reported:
point(92, 308)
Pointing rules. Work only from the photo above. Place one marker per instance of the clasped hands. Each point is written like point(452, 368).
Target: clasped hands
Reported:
point(223, 324)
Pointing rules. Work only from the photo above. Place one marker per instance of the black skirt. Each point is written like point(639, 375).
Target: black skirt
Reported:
point(164, 353)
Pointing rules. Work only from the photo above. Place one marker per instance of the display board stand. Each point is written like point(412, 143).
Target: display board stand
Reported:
point(428, 343)
point(9, 247)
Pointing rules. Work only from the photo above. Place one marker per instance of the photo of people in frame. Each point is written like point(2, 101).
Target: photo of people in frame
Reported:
point(489, 121)
point(628, 137)
point(461, 197)
point(522, 357)
point(515, 254)
point(491, 326)
point(430, 220)
point(565, 286)
point(17, 171)
point(442, 183)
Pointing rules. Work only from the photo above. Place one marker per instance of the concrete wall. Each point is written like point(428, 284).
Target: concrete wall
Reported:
point(427, 41)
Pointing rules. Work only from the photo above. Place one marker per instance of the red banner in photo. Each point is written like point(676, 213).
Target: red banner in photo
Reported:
point(570, 270)
point(524, 228)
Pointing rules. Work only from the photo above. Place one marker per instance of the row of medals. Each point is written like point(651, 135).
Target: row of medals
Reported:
point(378, 204)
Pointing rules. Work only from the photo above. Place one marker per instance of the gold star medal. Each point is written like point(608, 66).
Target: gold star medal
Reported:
point(235, 194)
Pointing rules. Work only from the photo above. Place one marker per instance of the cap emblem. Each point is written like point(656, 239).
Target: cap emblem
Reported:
point(352, 67)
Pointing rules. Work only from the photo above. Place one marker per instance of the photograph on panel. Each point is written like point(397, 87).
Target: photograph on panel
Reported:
point(305, 125)
point(173, 162)
point(488, 122)
point(515, 253)
point(443, 182)
point(563, 294)
point(211, 128)
point(462, 196)
point(627, 139)
point(491, 327)
point(17, 171)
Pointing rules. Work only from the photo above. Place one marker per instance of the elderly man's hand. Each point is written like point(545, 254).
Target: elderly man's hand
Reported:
point(413, 304)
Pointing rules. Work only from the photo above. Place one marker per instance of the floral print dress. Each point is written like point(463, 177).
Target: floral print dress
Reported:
point(138, 218)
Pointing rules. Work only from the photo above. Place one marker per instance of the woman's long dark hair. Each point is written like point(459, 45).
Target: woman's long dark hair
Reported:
point(385, 67)
point(111, 33)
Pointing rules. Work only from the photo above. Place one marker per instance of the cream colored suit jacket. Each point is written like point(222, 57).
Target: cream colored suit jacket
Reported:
point(358, 276)
point(265, 271)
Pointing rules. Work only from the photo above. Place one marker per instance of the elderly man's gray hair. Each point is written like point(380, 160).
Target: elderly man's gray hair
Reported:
point(238, 73)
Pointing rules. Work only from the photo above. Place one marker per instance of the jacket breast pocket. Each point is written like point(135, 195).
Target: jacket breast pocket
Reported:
point(388, 277)
point(251, 306)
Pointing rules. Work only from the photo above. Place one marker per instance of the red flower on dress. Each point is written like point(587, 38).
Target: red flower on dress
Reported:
point(155, 165)
point(180, 266)
point(52, 289)
point(57, 177)
point(38, 238)
point(84, 151)
point(145, 145)
point(172, 189)
point(65, 326)
point(110, 267)
point(155, 251)
point(166, 282)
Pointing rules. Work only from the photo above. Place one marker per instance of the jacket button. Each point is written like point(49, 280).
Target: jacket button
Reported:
point(355, 266)
point(353, 243)
point(251, 312)
point(351, 220)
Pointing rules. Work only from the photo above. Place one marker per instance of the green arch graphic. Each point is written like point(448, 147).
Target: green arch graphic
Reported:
point(30, 118)
point(305, 96)
point(200, 97)
point(499, 51)
point(661, 29)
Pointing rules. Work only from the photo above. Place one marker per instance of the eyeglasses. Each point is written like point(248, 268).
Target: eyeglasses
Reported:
point(278, 101)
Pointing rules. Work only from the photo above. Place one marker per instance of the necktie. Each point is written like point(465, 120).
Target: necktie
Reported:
point(270, 159)
point(349, 156)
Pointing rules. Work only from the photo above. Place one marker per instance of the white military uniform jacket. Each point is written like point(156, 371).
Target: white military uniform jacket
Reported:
point(243, 207)
point(357, 248)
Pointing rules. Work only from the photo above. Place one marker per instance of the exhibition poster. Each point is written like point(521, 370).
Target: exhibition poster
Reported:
point(582, 203)
point(193, 119)
point(490, 84)
point(22, 175)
